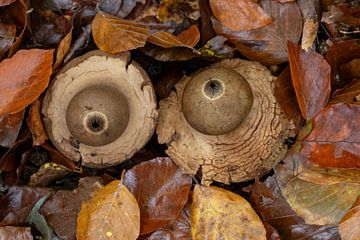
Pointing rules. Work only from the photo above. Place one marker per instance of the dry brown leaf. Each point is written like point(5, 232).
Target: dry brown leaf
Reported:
point(220, 214)
point(63, 49)
point(47, 174)
point(23, 78)
point(15, 233)
point(188, 38)
point(9, 128)
point(310, 74)
point(268, 44)
point(240, 15)
point(7, 37)
point(6, 2)
point(114, 35)
point(349, 226)
point(350, 94)
point(321, 196)
point(112, 213)
point(36, 125)
point(309, 33)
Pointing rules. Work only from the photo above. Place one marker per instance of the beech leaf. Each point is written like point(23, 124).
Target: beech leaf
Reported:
point(23, 78)
point(320, 196)
point(349, 227)
point(161, 191)
point(220, 214)
point(267, 44)
point(310, 74)
point(15, 233)
point(335, 136)
point(36, 125)
point(112, 213)
point(240, 15)
point(9, 128)
point(115, 35)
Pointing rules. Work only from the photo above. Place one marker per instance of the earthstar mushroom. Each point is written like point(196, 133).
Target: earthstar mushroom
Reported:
point(224, 120)
point(100, 109)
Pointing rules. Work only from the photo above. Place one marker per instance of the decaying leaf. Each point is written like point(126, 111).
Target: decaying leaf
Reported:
point(23, 78)
point(7, 37)
point(64, 206)
point(310, 74)
point(273, 208)
point(36, 124)
point(335, 136)
point(48, 173)
point(178, 11)
point(349, 227)
point(15, 233)
point(320, 196)
point(9, 128)
point(161, 191)
point(310, 10)
point(115, 35)
point(350, 94)
point(268, 44)
point(112, 213)
point(220, 214)
point(240, 15)
point(63, 48)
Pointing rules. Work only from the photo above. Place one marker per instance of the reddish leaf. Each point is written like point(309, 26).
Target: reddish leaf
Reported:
point(9, 128)
point(6, 2)
point(16, 205)
point(161, 191)
point(115, 35)
point(335, 136)
point(187, 38)
point(349, 227)
point(178, 228)
point(207, 32)
point(310, 74)
point(64, 206)
point(63, 49)
point(36, 125)
point(23, 78)
point(268, 44)
point(285, 96)
point(7, 37)
point(15, 233)
point(240, 15)
point(341, 53)
point(350, 94)
point(273, 208)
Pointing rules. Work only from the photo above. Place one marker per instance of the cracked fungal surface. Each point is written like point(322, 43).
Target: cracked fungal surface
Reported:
point(100, 109)
point(233, 147)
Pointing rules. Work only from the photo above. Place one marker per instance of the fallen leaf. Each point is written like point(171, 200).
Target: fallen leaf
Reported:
point(15, 233)
point(169, 54)
point(207, 31)
point(350, 94)
point(7, 37)
point(240, 15)
point(161, 191)
point(57, 157)
point(268, 44)
point(38, 220)
point(80, 43)
point(178, 228)
point(118, 8)
point(23, 78)
point(9, 128)
point(178, 11)
point(115, 35)
point(48, 173)
point(220, 214)
point(310, 74)
point(112, 213)
point(6, 2)
point(273, 208)
point(349, 226)
point(216, 47)
point(64, 206)
point(10, 161)
point(320, 196)
point(350, 70)
point(340, 53)
point(285, 96)
point(188, 38)
point(36, 124)
point(16, 205)
point(63, 49)
point(335, 136)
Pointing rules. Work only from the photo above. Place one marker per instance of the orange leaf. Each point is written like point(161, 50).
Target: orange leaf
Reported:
point(349, 226)
point(36, 125)
point(240, 15)
point(335, 137)
point(188, 38)
point(23, 78)
point(63, 49)
point(114, 35)
point(310, 75)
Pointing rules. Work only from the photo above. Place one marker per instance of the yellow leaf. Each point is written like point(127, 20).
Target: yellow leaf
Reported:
point(112, 213)
point(220, 214)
